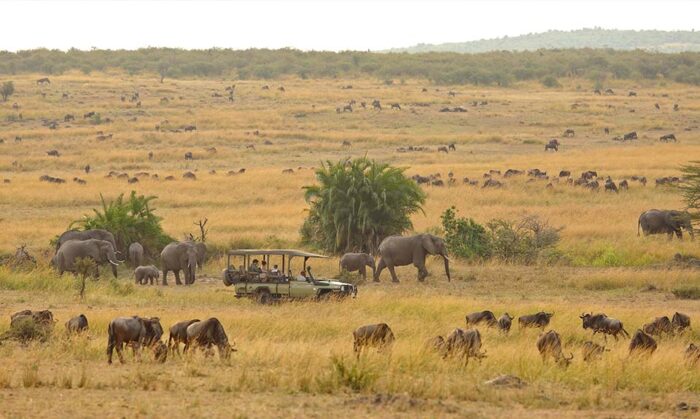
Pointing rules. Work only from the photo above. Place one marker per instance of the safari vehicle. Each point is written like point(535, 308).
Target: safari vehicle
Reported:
point(271, 284)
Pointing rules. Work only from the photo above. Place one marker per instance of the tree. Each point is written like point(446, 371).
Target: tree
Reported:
point(690, 189)
point(163, 68)
point(7, 90)
point(358, 203)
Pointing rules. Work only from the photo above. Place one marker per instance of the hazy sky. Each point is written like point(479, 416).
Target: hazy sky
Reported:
point(318, 25)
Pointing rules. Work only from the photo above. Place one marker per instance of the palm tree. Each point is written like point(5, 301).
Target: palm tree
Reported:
point(690, 188)
point(358, 203)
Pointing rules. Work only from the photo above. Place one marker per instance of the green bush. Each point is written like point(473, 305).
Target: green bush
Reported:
point(464, 237)
point(130, 220)
point(355, 376)
point(687, 293)
point(358, 203)
point(551, 82)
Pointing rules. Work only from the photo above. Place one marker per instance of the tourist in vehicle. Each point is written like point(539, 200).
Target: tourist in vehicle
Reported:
point(264, 267)
point(275, 270)
point(255, 267)
point(302, 276)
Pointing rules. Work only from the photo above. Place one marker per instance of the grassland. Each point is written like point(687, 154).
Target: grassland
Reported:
point(289, 355)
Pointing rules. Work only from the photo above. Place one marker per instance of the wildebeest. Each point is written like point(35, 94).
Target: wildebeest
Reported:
point(88, 115)
point(512, 172)
point(592, 351)
point(692, 354)
point(540, 320)
point(178, 335)
point(680, 322)
point(610, 185)
point(642, 343)
point(68, 118)
point(44, 80)
point(135, 331)
point(553, 144)
point(443, 148)
point(77, 324)
point(189, 128)
point(594, 185)
point(373, 335)
point(601, 323)
point(436, 344)
point(640, 179)
point(504, 322)
point(376, 104)
point(564, 173)
point(491, 183)
point(465, 344)
point(395, 106)
point(569, 133)
point(188, 156)
point(668, 137)
point(53, 153)
point(658, 326)
point(479, 317)
point(189, 175)
point(630, 136)
point(549, 344)
point(206, 334)
point(623, 185)
point(452, 147)
point(632, 93)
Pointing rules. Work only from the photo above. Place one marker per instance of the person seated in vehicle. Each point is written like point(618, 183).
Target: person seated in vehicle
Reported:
point(264, 267)
point(302, 276)
point(275, 270)
point(254, 267)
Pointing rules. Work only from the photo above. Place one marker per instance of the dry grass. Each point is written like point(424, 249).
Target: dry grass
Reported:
point(287, 352)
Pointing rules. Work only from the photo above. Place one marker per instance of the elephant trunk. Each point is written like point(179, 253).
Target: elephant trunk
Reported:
point(447, 267)
point(372, 265)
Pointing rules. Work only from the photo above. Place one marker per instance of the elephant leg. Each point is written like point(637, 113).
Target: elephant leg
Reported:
point(177, 277)
point(422, 272)
point(394, 278)
point(380, 267)
point(165, 277)
point(363, 273)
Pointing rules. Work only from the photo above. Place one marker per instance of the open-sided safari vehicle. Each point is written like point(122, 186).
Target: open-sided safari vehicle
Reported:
point(278, 280)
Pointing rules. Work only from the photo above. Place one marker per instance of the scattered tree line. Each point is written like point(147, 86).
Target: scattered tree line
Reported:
point(491, 68)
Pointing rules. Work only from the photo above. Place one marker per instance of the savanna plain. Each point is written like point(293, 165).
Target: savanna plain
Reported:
point(295, 359)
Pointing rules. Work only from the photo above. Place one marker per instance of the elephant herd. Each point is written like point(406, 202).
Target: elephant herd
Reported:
point(100, 246)
point(467, 343)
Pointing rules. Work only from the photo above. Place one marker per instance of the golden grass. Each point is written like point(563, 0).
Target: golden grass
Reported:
point(285, 365)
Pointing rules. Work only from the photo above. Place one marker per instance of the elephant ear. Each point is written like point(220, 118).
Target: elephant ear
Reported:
point(429, 244)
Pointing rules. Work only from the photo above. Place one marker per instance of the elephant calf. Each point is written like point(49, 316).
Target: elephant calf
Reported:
point(353, 262)
point(145, 274)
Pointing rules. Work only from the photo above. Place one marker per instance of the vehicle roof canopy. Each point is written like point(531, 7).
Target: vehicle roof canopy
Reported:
point(279, 252)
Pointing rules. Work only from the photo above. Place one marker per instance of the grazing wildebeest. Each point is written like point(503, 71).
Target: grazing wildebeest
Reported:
point(540, 320)
point(479, 317)
point(589, 174)
point(675, 107)
point(609, 92)
point(564, 173)
point(77, 324)
point(491, 183)
point(373, 335)
point(606, 130)
point(658, 326)
point(44, 80)
point(188, 156)
point(632, 93)
point(623, 185)
point(178, 335)
point(592, 351)
point(630, 136)
point(512, 172)
point(640, 179)
point(601, 323)
point(668, 137)
point(504, 322)
point(553, 144)
point(376, 104)
point(206, 334)
point(692, 354)
point(443, 148)
point(569, 133)
point(288, 171)
point(680, 322)
point(452, 147)
point(395, 106)
point(189, 128)
point(549, 344)
point(656, 105)
point(464, 343)
point(642, 343)
point(88, 115)
point(136, 331)
point(53, 153)
point(68, 118)
point(436, 344)
point(610, 185)
point(594, 186)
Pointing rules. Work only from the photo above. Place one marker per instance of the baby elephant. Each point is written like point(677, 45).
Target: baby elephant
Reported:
point(77, 324)
point(377, 335)
point(144, 274)
point(352, 262)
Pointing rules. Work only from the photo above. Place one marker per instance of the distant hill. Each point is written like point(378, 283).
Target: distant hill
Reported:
point(657, 41)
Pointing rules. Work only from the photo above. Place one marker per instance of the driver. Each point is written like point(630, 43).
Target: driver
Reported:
point(302, 276)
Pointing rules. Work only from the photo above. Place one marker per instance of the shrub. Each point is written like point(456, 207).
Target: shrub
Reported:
point(355, 376)
point(522, 242)
point(687, 293)
point(131, 220)
point(551, 82)
point(464, 237)
point(7, 90)
point(358, 203)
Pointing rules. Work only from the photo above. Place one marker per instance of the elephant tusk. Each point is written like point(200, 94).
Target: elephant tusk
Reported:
point(115, 264)
point(446, 258)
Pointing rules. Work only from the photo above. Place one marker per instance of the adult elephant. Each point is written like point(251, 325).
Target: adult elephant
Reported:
point(136, 254)
point(201, 250)
point(100, 251)
point(352, 262)
point(176, 257)
point(668, 222)
point(402, 251)
point(96, 233)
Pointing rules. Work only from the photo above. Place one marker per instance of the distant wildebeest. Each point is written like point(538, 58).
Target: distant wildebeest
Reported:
point(79, 181)
point(589, 174)
point(656, 105)
point(437, 182)
point(53, 153)
point(436, 344)
point(692, 354)
point(569, 133)
point(77, 324)
point(170, 177)
point(609, 92)
point(623, 185)
point(451, 93)
point(640, 179)
point(395, 106)
point(465, 344)
point(346, 143)
point(189, 175)
point(630, 136)
point(207, 334)
point(373, 335)
point(512, 172)
point(594, 185)
point(443, 148)
point(146, 274)
point(597, 91)
point(89, 115)
point(667, 138)
point(44, 80)
point(540, 320)
point(178, 335)
point(675, 107)
point(487, 317)
point(135, 331)
point(549, 345)
point(658, 326)
point(133, 180)
point(288, 171)
point(68, 118)
point(592, 351)
point(553, 144)
point(632, 93)
point(452, 147)
point(642, 343)
point(564, 173)
point(281, 89)
point(504, 322)
point(188, 156)
point(680, 322)
point(606, 130)
point(610, 185)
point(376, 104)
point(601, 323)
point(492, 183)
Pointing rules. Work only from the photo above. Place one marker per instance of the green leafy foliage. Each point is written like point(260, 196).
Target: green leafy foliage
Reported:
point(464, 237)
point(130, 220)
point(690, 188)
point(551, 82)
point(7, 90)
point(357, 203)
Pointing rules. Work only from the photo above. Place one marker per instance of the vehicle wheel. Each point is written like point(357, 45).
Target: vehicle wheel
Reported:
point(227, 280)
point(263, 297)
